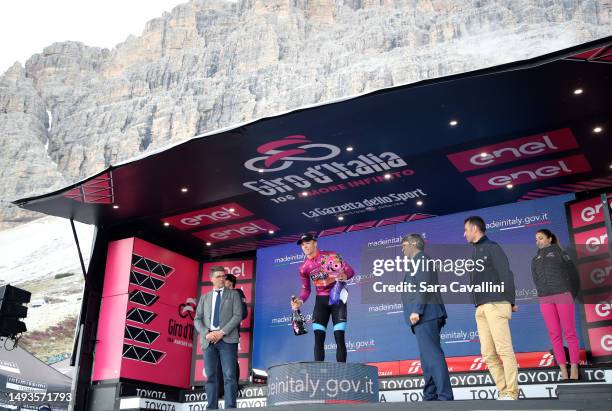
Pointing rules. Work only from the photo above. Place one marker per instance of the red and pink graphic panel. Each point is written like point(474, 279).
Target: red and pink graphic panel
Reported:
point(514, 150)
point(601, 341)
point(530, 173)
point(590, 237)
point(591, 243)
point(239, 230)
point(242, 269)
point(598, 307)
point(206, 216)
point(596, 274)
point(146, 321)
point(587, 212)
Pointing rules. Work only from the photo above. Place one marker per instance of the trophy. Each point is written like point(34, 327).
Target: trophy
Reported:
point(298, 323)
point(336, 292)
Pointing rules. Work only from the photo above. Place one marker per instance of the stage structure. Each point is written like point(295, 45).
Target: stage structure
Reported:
point(527, 144)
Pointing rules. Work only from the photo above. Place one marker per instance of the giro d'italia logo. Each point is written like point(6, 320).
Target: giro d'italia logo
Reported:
point(188, 309)
point(281, 154)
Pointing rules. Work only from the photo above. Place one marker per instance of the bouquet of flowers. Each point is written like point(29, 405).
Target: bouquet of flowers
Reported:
point(332, 264)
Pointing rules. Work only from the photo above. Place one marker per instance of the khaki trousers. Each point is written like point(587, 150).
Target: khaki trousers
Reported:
point(496, 346)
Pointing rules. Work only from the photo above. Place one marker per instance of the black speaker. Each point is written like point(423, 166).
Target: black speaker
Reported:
point(12, 310)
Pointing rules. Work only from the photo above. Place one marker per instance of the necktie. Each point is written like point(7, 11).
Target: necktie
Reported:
point(217, 312)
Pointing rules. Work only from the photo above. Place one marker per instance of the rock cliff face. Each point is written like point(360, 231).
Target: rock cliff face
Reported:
point(74, 109)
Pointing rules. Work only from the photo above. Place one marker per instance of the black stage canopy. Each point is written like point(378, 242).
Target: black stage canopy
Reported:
point(511, 133)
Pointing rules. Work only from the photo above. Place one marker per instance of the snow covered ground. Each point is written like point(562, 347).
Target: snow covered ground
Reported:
point(31, 256)
point(42, 248)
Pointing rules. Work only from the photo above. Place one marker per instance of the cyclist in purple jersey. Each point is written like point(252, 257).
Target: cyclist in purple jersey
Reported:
point(323, 268)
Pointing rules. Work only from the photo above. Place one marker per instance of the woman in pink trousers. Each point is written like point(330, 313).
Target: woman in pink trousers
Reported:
point(555, 278)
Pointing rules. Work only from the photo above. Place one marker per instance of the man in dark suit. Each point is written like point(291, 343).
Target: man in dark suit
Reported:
point(217, 320)
point(426, 315)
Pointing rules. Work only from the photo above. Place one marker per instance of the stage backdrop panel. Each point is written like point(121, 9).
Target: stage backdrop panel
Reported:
point(589, 235)
point(148, 303)
point(376, 329)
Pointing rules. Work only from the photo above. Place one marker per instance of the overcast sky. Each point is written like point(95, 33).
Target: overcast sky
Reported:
point(28, 26)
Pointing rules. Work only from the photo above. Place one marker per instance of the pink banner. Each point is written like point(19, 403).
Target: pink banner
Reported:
point(531, 173)
point(244, 347)
point(207, 216)
point(598, 307)
point(601, 341)
point(242, 269)
point(514, 150)
point(109, 340)
point(229, 232)
point(588, 212)
point(591, 243)
point(597, 274)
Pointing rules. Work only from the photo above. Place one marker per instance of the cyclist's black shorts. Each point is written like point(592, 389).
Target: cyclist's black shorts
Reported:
point(322, 311)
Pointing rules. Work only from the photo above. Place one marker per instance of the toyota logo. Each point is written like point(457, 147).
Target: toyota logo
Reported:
point(287, 156)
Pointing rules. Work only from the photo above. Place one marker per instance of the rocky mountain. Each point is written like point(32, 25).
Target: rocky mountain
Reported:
point(207, 64)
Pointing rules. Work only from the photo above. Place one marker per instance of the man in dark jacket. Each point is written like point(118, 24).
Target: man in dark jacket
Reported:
point(425, 314)
point(493, 308)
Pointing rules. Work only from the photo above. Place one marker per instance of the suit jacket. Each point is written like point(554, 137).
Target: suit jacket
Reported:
point(245, 310)
point(496, 270)
point(428, 305)
point(229, 319)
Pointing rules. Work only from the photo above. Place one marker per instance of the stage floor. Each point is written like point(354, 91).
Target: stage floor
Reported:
point(462, 405)
point(577, 397)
